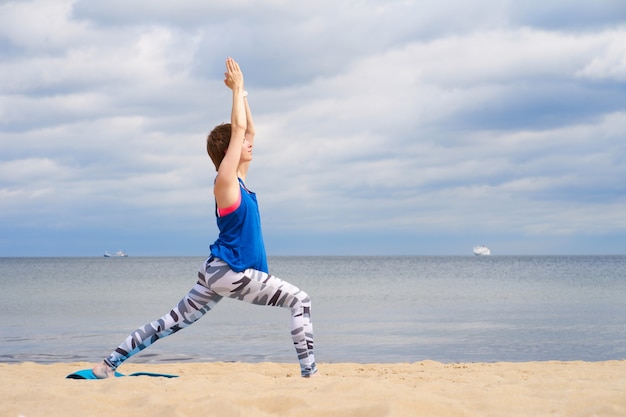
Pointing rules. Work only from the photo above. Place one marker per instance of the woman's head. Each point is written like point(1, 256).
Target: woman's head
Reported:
point(217, 143)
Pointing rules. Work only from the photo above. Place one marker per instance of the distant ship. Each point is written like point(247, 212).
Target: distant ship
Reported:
point(481, 251)
point(118, 254)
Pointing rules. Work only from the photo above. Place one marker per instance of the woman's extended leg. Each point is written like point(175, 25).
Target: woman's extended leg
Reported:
point(257, 287)
point(192, 307)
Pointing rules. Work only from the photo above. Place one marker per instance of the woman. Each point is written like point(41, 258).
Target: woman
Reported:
point(237, 267)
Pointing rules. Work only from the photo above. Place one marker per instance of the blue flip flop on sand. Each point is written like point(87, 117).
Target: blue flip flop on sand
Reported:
point(88, 374)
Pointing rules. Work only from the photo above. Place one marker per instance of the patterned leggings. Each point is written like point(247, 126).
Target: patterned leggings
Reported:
point(215, 281)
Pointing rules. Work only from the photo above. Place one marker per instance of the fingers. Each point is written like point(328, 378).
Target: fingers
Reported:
point(232, 65)
point(233, 75)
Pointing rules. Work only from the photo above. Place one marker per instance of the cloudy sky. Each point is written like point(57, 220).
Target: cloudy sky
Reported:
point(383, 127)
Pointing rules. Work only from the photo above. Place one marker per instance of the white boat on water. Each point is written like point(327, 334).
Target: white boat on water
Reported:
point(481, 251)
point(118, 254)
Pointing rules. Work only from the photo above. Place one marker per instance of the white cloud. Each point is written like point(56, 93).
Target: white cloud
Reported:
point(610, 63)
point(41, 26)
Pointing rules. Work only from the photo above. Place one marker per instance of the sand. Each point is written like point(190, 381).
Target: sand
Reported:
point(572, 389)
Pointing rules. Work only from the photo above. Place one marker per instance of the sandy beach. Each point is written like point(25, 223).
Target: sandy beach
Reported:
point(343, 389)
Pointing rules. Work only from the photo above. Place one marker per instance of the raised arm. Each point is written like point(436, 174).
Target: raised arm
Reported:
point(226, 187)
point(250, 132)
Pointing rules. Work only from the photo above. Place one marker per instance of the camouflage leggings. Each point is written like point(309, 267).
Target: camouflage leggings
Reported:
point(217, 280)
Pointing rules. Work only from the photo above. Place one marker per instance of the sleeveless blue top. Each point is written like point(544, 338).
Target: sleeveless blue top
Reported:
point(240, 243)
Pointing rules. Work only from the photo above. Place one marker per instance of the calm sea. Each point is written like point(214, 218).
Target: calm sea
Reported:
point(365, 309)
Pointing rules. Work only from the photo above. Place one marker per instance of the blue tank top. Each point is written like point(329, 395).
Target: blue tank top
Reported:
point(240, 243)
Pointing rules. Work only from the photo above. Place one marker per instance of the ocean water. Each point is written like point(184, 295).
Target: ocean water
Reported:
point(365, 309)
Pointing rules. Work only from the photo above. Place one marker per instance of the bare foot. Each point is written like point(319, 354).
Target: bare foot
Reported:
point(102, 371)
